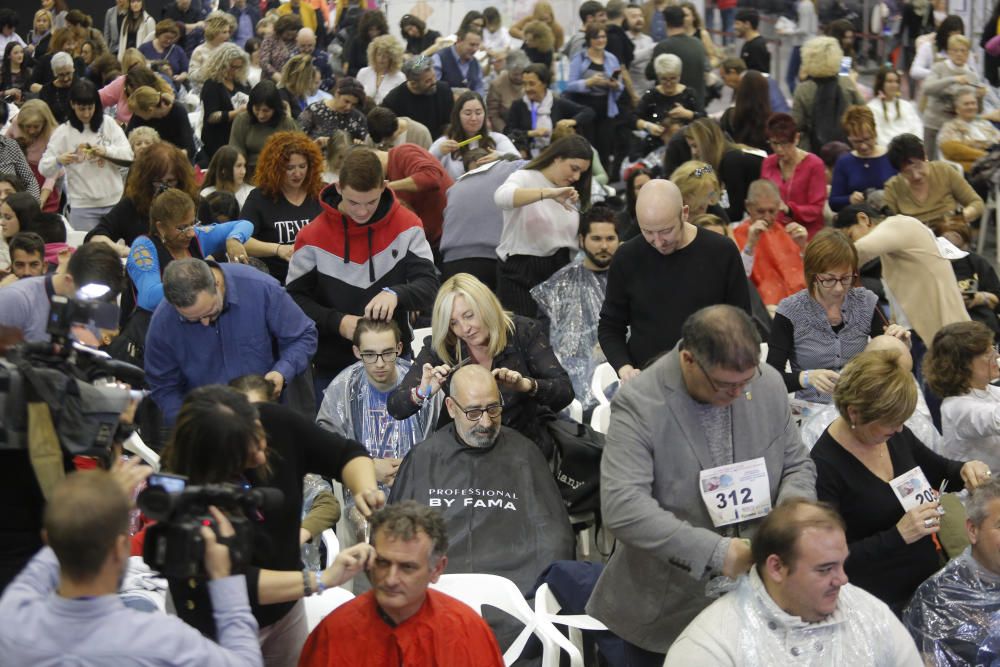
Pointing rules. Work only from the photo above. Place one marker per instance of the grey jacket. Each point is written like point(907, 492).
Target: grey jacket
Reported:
point(654, 584)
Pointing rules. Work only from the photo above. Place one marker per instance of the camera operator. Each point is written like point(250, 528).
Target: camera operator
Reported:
point(221, 437)
point(63, 606)
point(26, 304)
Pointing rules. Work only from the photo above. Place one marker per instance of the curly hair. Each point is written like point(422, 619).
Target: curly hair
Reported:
point(391, 47)
point(219, 61)
point(270, 173)
point(372, 18)
point(217, 22)
point(948, 363)
point(150, 166)
point(298, 76)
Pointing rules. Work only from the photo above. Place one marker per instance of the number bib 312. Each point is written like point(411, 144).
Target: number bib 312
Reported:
point(736, 492)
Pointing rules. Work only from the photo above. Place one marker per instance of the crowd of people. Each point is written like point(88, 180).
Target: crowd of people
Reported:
point(278, 196)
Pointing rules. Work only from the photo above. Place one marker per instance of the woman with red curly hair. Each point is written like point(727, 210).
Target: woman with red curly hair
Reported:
point(286, 199)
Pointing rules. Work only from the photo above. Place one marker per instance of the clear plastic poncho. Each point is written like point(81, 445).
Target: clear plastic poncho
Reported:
point(572, 300)
point(312, 486)
point(955, 615)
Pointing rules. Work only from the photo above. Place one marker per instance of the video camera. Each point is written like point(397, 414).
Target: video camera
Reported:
point(174, 545)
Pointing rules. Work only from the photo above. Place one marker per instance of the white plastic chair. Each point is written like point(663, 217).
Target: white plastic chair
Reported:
point(604, 376)
point(75, 238)
point(575, 411)
point(418, 340)
point(332, 545)
point(318, 606)
point(477, 590)
point(601, 417)
point(547, 610)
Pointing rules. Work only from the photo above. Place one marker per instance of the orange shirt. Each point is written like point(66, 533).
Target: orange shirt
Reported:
point(777, 265)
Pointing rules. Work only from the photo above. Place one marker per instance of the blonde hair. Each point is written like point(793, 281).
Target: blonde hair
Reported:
point(879, 389)
point(131, 58)
point(482, 302)
point(958, 40)
point(143, 132)
point(35, 111)
point(217, 22)
point(540, 35)
point(298, 76)
point(221, 58)
point(696, 181)
point(391, 47)
point(145, 99)
point(821, 57)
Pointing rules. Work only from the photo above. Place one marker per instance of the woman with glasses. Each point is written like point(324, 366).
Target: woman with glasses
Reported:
point(866, 167)
point(159, 167)
point(800, 176)
point(859, 459)
point(961, 367)
point(468, 122)
point(174, 233)
point(818, 330)
point(468, 325)
point(666, 105)
point(87, 147)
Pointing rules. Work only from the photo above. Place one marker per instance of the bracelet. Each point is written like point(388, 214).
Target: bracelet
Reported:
point(805, 379)
point(277, 249)
point(390, 291)
point(423, 397)
point(416, 397)
point(306, 588)
point(319, 582)
point(534, 387)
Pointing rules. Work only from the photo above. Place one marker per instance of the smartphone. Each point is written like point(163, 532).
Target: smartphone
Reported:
point(616, 74)
point(845, 65)
point(167, 482)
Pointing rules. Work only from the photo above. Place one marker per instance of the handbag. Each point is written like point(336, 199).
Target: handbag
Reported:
point(577, 464)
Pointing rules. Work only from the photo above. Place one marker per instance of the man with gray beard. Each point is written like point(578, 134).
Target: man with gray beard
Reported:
point(500, 503)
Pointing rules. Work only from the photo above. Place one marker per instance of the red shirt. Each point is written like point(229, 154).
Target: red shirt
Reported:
point(804, 192)
point(444, 633)
point(777, 265)
point(409, 160)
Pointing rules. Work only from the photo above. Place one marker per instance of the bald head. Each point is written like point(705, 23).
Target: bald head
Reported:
point(305, 40)
point(473, 380)
point(662, 216)
point(892, 344)
point(473, 390)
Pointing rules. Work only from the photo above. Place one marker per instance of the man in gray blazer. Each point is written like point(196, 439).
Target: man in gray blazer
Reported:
point(680, 514)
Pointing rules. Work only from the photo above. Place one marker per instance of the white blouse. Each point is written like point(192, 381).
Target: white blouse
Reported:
point(971, 426)
point(455, 167)
point(540, 229)
point(890, 122)
point(368, 78)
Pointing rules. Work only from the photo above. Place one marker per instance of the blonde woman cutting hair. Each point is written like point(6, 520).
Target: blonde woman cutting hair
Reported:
point(470, 326)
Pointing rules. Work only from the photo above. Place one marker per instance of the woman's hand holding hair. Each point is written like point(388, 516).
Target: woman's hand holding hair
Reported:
point(821, 379)
point(433, 377)
point(348, 563)
point(567, 196)
point(975, 473)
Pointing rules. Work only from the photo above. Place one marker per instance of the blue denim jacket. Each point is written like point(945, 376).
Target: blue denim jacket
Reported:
point(578, 78)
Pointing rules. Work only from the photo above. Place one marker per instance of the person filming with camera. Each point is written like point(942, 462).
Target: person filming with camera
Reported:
point(63, 607)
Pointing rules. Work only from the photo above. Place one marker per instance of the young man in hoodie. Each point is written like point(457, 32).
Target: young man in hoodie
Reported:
point(365, 255)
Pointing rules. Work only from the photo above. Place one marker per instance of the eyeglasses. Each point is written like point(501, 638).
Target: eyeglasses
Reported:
point(388, 356)
point(64, 75)
point(475, 414)
point(726, 386)
point(184, 229)
point(846, 281)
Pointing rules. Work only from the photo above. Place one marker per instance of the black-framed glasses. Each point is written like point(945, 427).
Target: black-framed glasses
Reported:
point(727, 386)
point(388, 356)
point(475, 414)
point(846, 281)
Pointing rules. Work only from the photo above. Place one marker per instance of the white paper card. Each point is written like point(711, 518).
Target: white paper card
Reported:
point(913, 489)
point(736, 492)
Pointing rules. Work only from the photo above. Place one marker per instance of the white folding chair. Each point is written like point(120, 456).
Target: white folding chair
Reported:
point(547, 610)
point(601, 417)
point(332, 545)
point(75, 238)
point(418, 340)
point(318, 606)
point(477, 590)
point(604, 376)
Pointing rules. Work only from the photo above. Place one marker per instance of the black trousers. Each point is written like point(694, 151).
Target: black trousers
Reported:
point(481, 267)
point(519, 273)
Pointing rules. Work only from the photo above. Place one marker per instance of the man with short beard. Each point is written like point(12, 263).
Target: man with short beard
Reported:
point(500, 503)
point(569, 303)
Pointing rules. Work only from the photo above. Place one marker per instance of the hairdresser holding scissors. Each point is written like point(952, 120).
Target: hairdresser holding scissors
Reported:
point(467, 131)
point(468, 325)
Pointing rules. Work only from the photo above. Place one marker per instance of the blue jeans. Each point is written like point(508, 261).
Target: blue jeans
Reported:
point(728, 17)
point(792, 75)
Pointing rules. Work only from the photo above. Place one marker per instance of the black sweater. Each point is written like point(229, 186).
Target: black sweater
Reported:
point(880, 561)
point(433, 111)
point(123, 221)
point(278, 221)
point(655, 293)
point(296, 446)
point(174, 127)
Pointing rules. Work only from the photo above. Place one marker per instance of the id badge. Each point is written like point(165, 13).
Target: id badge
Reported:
point(912, 489)
point(736, 492)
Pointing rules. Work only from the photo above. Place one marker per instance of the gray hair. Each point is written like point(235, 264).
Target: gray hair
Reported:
point(61, 60)
point(960, 91)
point(722, 336)
point(185, 279)
point(762, 189)
point(517, 60)
point(414, 68)
point(977, 507)
point(667, 63)
point(403, 520)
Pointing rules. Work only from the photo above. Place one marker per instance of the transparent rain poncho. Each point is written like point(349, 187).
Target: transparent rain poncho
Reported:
point(955, 615)
point(746, 627)
point(572, 300)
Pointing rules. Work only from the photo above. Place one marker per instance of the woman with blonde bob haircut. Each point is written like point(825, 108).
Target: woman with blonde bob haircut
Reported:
point(960, 366)
point(469, 325)
point(858, 460)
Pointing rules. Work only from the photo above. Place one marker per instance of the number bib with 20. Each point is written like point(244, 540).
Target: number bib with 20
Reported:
point(912, 489)
point(736, 492)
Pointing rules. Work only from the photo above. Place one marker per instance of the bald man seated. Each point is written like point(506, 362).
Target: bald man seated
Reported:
point(657, 279)
point(500, 503)
point(920, 422)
